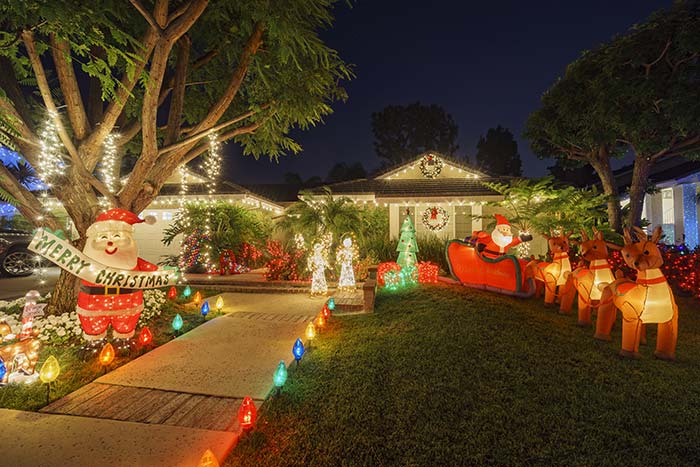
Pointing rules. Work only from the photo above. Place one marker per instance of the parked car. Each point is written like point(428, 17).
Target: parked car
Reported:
point(15, 258)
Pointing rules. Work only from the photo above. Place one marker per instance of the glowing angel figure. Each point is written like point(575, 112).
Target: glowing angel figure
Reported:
point(317, 264)
point(345, 256)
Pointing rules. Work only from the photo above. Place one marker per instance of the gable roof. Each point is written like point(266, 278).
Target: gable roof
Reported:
point(425, 188)
point(449, 162)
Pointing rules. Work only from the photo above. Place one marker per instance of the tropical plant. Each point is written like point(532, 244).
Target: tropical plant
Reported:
point(316, 215)
point(542, 206)
point(232, 226)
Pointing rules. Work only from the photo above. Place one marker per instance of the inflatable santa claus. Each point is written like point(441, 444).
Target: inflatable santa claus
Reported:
point(500, 240)
point(110, 241)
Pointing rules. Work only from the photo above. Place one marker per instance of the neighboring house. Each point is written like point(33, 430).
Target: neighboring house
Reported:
point(674, 205)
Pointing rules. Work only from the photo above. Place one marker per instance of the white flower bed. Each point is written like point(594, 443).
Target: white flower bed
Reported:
point(65, 328)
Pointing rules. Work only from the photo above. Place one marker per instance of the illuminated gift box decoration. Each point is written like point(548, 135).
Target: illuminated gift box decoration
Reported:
point(428, 272)
point(383, 268)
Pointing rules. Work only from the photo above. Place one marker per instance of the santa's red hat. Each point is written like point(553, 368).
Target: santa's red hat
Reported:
point(119, 220)
point(500, 220)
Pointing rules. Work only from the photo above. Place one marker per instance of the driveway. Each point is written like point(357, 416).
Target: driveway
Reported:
point(15, 287)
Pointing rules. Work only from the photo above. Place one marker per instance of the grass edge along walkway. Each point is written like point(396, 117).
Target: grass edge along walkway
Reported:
point(445, 375)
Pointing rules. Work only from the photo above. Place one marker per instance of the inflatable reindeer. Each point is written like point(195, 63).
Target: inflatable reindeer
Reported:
point(586, 281)
point(549, 276)
point(648, 300)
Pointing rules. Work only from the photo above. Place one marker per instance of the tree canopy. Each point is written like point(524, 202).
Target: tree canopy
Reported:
point(497, 153)
point(402, 132)
point(639, 92)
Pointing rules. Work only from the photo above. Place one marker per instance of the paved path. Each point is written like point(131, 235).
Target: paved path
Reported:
point(166, 407)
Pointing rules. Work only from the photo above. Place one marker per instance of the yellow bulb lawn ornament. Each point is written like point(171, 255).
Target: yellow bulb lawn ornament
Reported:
point(219, 303)
point(648, 300)
point(586, 281)
point(49, 370)
point(550, 276)
point(208, 460)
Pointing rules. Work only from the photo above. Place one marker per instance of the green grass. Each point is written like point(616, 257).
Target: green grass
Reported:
point(75, 372)
point(445, 375)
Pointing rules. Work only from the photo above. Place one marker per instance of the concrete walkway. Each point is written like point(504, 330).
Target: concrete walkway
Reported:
point(170, 405)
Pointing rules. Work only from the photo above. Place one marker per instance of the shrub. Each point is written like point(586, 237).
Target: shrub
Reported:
point(283, 264)
point(432, 248)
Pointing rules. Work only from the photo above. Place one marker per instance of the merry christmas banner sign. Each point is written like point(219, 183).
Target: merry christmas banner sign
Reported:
point(60, 252)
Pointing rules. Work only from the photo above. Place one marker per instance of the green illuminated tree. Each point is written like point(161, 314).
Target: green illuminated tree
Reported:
point(407, 246)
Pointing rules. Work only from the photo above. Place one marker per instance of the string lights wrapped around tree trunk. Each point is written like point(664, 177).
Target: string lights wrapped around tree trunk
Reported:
point(109, 169)
point(212, 168)
point(184, 219)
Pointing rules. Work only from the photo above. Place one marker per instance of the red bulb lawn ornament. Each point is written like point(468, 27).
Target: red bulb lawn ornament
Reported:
point(145, 336)
point(586, 281)
point(172, 293)
point(326, 312)
point(550, 276)
point(247, 413)
point(648, 300)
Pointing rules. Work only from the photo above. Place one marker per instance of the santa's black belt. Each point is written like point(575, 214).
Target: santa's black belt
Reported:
point(105, 290)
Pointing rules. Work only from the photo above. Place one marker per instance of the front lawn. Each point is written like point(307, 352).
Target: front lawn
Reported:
point(445, 375)
point(77, 372)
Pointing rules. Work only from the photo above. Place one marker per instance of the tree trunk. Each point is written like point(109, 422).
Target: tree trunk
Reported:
point(601, 165)
point(64, 294)
point(640, 179)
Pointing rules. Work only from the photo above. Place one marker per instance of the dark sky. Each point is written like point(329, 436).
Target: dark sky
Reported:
point(486, 63)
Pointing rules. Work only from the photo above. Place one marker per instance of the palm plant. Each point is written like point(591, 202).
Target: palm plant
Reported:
point(316, 215)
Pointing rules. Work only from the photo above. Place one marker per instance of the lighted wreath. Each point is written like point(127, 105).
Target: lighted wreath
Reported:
point(435, 218)
point(430, 166)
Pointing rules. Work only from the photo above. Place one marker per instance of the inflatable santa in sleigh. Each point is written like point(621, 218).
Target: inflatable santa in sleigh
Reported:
point(483, 262)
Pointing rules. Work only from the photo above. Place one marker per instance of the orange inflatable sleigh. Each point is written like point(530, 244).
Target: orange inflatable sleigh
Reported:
point(505, 274)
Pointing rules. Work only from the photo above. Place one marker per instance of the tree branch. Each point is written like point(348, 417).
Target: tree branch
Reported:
point(9, 83)
point(146, 15)
point(40, 73)
point(69, 86)
point(220, 107)
point(196, 137)
point(177, 101)
point(184, 21)
point(28, 204)
point(647, 66)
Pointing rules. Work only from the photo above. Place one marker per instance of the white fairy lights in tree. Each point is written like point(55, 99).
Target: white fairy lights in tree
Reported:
point(317, 264)
point(345, 256)
point(51, 164)
point(212, 167)
point(109, 169)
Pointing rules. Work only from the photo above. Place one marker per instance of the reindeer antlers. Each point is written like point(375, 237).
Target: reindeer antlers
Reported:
point(584, 235)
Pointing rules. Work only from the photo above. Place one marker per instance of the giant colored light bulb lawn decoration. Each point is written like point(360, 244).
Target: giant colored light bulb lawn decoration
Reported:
point(326, 312)
point(208, 460)
point(177, 323)
point(298, 350)
point(172, 293)
point(247, 413)
point(106, 355)
point(205, 309)
point(280, 376)
point(187, 292)
point(219, 303)
point(48, 374)
point(197, 298)
point(145, 336)
point(331, 303)
point(310, 331)
point(320, 321)
point(3, 370)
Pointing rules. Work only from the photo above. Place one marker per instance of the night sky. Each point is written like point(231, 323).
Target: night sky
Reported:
point(486, 63)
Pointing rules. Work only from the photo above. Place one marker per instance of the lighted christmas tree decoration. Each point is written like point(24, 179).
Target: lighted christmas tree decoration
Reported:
point(331, 304)
point(205, 309)
point(247, 413)
point(172, 293)
point(177, 323)
point(219, 303)
point(187, 292)
point(208, 460)
point(407, 247)
point(145, 336)
point(106, 355)
point(280, 375)
point(317, 264)
point(345, 256)
point(298, 350)
point(197, 298)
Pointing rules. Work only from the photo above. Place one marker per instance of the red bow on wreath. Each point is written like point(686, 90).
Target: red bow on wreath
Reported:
point(433, 214)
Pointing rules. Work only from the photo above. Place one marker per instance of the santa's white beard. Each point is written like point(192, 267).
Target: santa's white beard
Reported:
point(125, 257)
point(500, 239)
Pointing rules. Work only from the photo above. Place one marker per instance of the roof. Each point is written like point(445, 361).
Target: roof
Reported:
point(278, 192)
point(672, 169)
point(460, 164)
point(427, 188)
